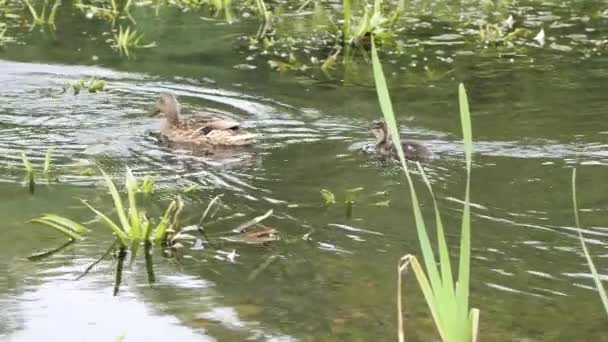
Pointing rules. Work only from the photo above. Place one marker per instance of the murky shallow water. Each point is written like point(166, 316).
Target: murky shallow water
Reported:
point(534, 118)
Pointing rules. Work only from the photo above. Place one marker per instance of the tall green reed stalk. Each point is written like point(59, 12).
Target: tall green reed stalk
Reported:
point(596, 276)
point(448, 300)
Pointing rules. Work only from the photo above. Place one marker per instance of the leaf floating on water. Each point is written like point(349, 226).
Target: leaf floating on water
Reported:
point(252, 222)
point(328, 197)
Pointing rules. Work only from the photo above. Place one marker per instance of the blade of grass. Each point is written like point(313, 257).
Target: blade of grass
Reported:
point(74, 226)
point(133, 212)
point(124, 238)
point(159, 233)
point(124, 222)
point(46, 171)
point(29, 174)
point(464, 266)
point(596, 277)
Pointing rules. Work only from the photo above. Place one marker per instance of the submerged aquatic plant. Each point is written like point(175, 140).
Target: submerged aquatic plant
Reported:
point(447, 299)
point(125, 40)
point(596, 276)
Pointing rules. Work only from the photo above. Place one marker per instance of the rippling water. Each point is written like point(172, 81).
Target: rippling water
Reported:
point(537, 113)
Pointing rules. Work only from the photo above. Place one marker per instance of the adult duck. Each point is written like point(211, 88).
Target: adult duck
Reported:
point(384, 146)
point(203, 130)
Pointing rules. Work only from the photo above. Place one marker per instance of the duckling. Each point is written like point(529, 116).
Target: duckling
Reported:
point(411, 150)
point(204, 130)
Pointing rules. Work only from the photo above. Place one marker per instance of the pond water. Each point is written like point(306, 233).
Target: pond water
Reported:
point(537, 113)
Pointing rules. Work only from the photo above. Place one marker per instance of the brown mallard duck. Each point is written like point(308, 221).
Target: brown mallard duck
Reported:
point(204, 130)
point(384, 146)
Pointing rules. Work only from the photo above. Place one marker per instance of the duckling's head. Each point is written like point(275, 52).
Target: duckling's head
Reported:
point(378, 128)
point(167, 104)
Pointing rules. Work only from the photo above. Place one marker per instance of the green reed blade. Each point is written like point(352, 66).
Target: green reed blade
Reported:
point(46, 171)
point(29, 174)
point(464, 266)
point(124, 238)
point(117, 203)
point(596, 277)
point(161, 229)
point(133, 212)
point(65, 222)
point(66, 231)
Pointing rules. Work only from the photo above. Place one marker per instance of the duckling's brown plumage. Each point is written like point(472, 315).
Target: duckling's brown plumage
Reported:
point(384, 146)
point(204, 130)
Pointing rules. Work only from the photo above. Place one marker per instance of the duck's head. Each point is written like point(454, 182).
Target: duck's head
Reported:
point(168, 105)
point(379, 130)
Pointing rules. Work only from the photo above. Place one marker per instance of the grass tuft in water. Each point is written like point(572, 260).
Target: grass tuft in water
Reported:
point(448, 300)
point(596, 277)
point(133, 225)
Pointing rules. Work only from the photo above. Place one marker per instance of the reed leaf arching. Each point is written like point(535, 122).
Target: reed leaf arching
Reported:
point(447, 299)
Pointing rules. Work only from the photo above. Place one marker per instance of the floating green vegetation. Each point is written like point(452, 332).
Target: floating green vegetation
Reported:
point(42, 19)
point(125, 40)
point(596, 276)
point(448, 300)
point(93, 85)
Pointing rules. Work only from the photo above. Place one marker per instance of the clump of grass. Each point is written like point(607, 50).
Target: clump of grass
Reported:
point(448, 300)
point(133, 225)
point(127, 39)
point(596, 277)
